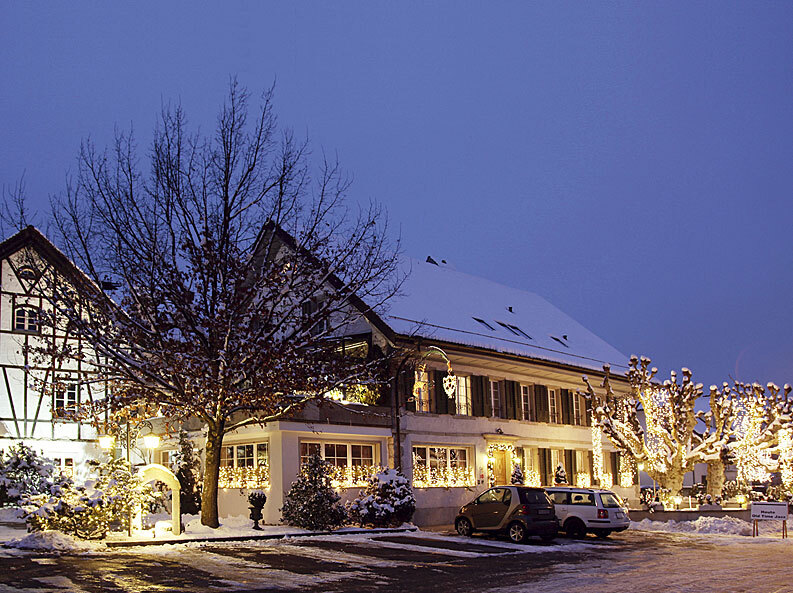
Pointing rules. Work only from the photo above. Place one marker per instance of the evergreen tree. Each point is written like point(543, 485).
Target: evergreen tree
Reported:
point(517, 476)
point(388, 501)
point(187, 469)
point(25, 473)
point(311, 502)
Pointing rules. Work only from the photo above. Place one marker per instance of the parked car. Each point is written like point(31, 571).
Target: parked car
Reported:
point(589, 510)
point(518, 511)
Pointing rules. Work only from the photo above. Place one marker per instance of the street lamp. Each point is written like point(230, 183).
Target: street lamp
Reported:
point(106, 442)
point(151, 442)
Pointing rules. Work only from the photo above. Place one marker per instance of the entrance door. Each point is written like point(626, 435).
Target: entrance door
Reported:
point(500, 468)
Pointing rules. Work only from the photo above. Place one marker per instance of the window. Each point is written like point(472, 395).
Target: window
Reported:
point(421, 390)
point(444, 466)
point(464, 396)
point(582, 498)
point(310, 311)
point(577, 409)
point(352, 463)
point(552, 407)
point(514, 329)
point(28, 273)
point(26, 319)
point(484, 323)
point(66, 397)
point(560, 497)
point(244, 465)
point(65, 465)
point(526, 397)
point(560, 341)
point(495, 398)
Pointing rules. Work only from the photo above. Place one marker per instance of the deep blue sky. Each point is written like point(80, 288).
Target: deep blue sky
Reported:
point(632, 163)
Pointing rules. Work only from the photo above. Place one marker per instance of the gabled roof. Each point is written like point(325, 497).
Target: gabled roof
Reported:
point(31, 237)
point(442, 304)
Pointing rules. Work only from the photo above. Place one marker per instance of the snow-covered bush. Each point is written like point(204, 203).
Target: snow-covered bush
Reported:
point(517, 476)
point(311, 502)
point(24, 473)
point(90, 510)
point(388, 501)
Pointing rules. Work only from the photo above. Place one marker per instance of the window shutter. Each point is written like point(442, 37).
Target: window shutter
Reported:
point(587, 412)
point(543, 457)
point(567, 407)
point(569, 465)
point(477, 396)
point(487, 408)
point(406, 380)
point(509, 399)
point(441, 399)
point(541, 403)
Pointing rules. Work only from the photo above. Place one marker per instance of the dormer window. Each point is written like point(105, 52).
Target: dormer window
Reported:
point(26, 319)
point(28, 273)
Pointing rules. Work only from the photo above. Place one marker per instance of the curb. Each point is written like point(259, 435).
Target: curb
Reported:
point(241, 538)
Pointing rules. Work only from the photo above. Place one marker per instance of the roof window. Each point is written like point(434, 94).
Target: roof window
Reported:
point(560, 341)
point(514, 329)
point(485, 323)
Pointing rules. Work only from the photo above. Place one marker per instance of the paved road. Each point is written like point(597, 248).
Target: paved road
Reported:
point(416, 563)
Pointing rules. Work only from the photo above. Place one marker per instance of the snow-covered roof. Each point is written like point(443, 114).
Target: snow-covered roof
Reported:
point(441, 303)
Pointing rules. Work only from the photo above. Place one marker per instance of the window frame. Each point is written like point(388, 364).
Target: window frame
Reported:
point(322, 444)
point(450, 463)
point(554, 417)
point(526, 401)
point(224, 458)
point(463, 404)
point(422, 397)
point(31, 319)
point(496, 393)
point(69, 397)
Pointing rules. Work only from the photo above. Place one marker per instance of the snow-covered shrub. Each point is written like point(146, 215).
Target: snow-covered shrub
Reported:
point(24, 473)
point(311, 502)
point(388, 501)
point(187, 467)
point(90, 510)
point(517, 476)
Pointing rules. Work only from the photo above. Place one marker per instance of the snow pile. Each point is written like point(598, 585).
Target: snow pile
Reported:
point(706, 525)
point(54, 541)
point(387, 501)
point(12, 515)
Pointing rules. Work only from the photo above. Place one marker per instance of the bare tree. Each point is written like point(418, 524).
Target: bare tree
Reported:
point(235, 272)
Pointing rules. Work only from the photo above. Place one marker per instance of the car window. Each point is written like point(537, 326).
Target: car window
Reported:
point(492, 495)
point(610, 500)
point(559, 497)
point(585, 498)
point(533, 497)
point(507, 496)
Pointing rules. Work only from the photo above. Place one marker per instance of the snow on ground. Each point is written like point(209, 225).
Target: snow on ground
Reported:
point(709, 525)
point(54, 541)
point(12, 515)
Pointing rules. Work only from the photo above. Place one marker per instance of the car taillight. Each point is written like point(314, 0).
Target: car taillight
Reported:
point(524, 509)
point(603, 514)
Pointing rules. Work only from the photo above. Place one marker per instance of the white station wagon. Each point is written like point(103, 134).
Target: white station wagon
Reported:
point(588, 510)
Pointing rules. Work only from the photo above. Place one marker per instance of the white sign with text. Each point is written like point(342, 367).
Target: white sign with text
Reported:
point(769, 511)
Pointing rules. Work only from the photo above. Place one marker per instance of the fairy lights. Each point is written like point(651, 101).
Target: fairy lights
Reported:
point(442, 476)
point(627, 471)
point(583, 480)
point(597, 452)
point(351, 476)
point(491, 459)
point(244, 477)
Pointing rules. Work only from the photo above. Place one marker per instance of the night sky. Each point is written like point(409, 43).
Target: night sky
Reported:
point(633, 164)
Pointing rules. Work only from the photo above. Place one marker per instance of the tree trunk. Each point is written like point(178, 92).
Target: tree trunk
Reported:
point(715, 477)
point(209, 494)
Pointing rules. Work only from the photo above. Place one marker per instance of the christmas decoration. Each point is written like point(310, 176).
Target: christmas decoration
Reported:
point(560, 476)
point(517, 475)
point(442, 476)
point(491, 459)
point(387, 501)
point(311, 502)
point(89, 510)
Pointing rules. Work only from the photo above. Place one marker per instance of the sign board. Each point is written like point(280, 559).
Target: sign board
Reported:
point(768, 511)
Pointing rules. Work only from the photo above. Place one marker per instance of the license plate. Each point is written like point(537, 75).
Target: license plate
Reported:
point(544, 512)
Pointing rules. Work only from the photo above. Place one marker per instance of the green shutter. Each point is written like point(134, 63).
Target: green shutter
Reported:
point(441, 399)
point(509, 399)
point(543, 464)
point(587, 412)
point(406, 380)
point(569, 465)
point(541, 403)
point(567, 407)
point(487, 398)
point(477, 396)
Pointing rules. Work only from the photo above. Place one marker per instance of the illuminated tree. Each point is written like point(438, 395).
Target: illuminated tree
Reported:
point(234, 272)
point(667, 446)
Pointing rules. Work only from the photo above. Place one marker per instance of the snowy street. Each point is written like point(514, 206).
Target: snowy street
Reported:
point(416, 562)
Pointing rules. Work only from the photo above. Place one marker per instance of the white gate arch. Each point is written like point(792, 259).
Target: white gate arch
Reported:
point(155, 471)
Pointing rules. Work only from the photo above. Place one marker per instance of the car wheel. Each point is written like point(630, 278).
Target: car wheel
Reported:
point(575, 528)
point(602, 533)
point(464, 527)
point(517, 532)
